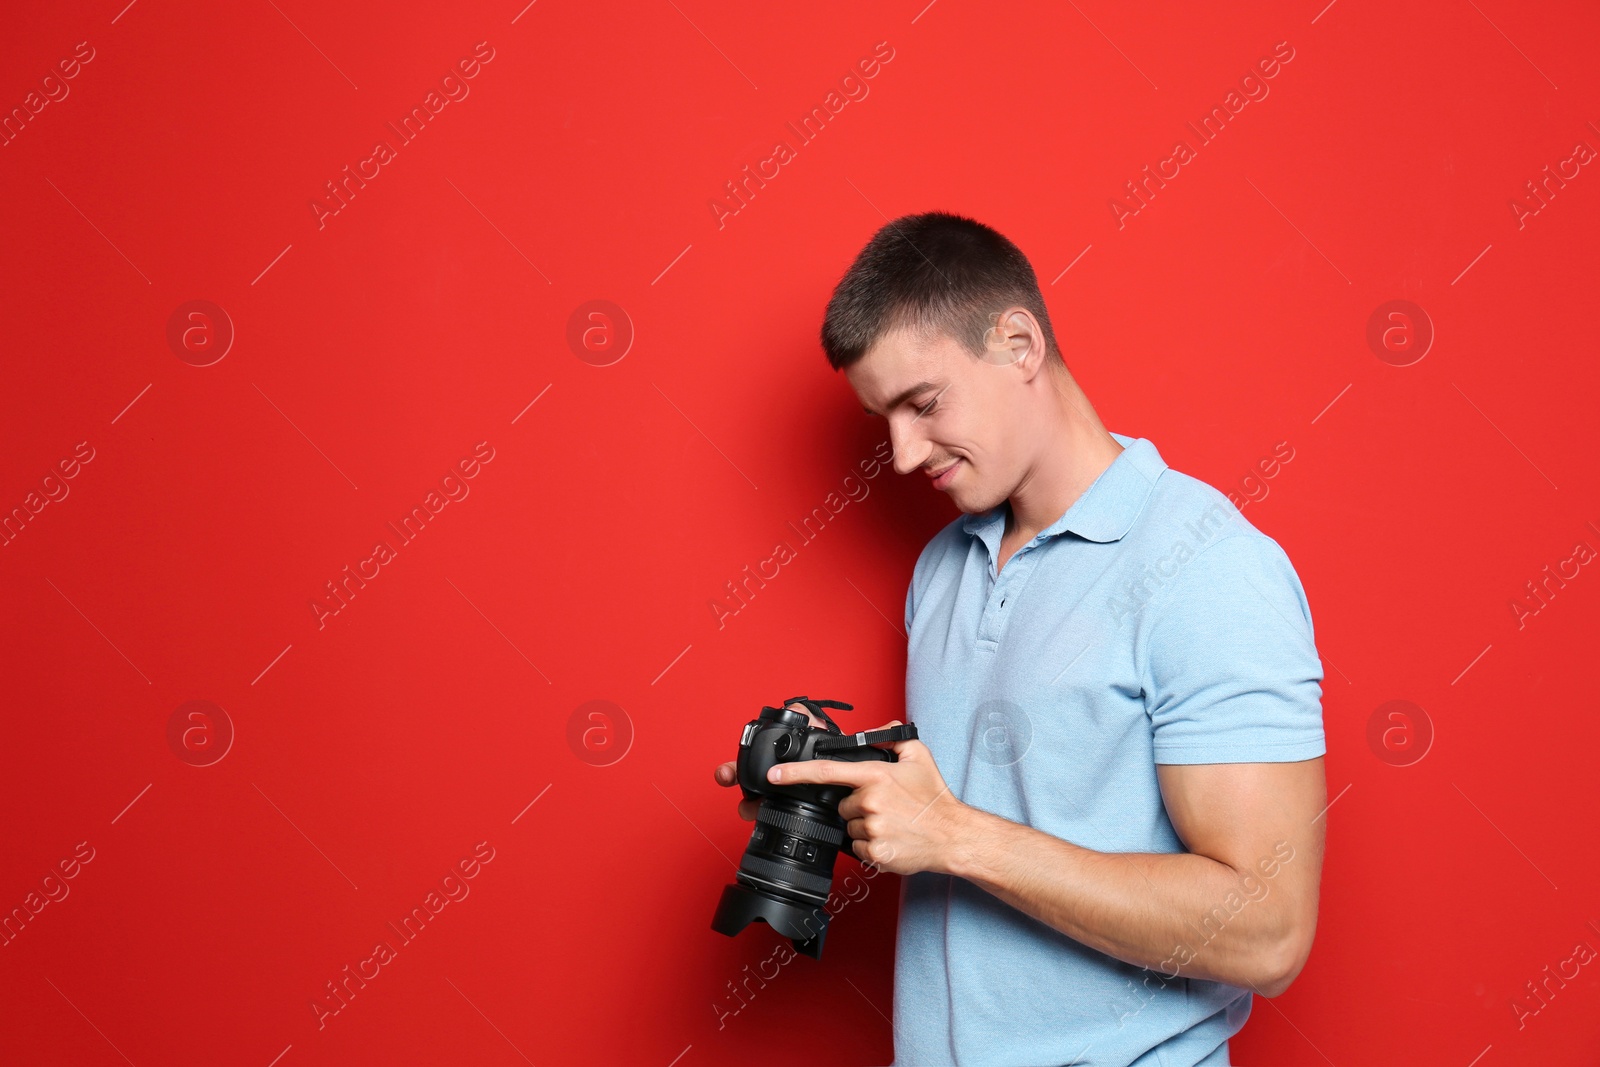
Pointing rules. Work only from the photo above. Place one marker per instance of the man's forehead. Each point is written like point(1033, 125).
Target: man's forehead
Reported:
point(896, 364)
point(910, 342)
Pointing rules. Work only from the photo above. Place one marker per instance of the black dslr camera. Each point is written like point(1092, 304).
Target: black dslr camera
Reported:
point(787, 871)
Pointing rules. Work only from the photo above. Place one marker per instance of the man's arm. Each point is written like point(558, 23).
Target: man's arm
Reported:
point(1239, 907)
point(1231, 668)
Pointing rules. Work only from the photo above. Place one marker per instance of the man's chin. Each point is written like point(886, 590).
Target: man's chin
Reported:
point(973, 502)
point(967, 503)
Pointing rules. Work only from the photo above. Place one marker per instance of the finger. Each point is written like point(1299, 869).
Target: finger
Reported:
point(748, 809)
point(887, 856)
point(856, 828)
point(887, 744)
point(807, 712)
point(826, 771)
point(901, 749)
point(726, 774)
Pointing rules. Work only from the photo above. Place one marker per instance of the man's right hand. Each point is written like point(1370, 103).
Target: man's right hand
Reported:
point(727, 774)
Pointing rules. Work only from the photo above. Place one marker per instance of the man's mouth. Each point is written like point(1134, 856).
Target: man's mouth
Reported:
point(941, 478)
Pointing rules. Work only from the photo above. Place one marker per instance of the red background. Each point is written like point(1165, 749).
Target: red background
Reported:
point(373, 352)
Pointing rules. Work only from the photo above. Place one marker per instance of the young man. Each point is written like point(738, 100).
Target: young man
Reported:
point(1110, 829)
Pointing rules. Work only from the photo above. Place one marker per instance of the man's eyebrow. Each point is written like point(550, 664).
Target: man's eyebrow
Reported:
point(904, 396)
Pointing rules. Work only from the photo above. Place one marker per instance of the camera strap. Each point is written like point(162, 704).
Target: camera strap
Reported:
point(844, 742)
point(903, 732)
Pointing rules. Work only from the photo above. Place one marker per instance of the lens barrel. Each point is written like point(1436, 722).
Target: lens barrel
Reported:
point(786, 874)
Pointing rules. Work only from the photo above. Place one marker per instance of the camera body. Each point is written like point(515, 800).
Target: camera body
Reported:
point(786, 874)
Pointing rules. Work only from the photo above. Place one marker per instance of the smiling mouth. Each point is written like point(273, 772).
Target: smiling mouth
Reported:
point(942, 476)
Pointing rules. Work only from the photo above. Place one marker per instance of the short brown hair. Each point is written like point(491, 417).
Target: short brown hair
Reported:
point(935, 273)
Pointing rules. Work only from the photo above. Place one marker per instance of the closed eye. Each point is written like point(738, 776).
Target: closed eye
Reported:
point(931, 404)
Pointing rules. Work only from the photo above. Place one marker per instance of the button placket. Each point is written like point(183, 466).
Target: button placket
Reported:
point(1001, 591)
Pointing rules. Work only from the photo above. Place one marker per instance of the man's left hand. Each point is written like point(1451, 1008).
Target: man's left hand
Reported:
point(901, 816)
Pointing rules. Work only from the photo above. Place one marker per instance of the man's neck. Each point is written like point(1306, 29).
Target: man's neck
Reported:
point(1067, 467)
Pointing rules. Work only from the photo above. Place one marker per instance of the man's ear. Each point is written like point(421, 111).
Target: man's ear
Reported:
point(1016, 340)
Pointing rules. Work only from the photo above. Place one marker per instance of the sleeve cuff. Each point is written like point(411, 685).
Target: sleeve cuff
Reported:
point(1221, 751)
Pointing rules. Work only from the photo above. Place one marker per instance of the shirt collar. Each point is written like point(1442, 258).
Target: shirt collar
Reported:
point(1103, 512)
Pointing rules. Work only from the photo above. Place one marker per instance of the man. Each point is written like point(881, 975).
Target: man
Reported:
point(1110, 830)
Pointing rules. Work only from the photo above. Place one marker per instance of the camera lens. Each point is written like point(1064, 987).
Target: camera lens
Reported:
point(786, 874)
point(791, 851)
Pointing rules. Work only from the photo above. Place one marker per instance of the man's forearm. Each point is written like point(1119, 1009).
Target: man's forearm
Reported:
point(1171, 912)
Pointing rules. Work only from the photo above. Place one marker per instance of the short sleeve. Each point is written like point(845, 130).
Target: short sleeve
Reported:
point(1232, 673)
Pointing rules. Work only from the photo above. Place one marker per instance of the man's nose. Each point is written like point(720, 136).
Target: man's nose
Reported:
point(910, 451)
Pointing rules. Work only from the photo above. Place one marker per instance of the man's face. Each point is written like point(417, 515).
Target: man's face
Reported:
point(949, 413)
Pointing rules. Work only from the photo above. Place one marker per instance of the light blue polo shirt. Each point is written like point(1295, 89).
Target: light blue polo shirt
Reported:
point(1151, 623)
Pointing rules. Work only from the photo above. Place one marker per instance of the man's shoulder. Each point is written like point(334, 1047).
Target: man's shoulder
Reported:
point(1183, 510)
point(1200, 561)
point(1192, 542)
point(1175, 491)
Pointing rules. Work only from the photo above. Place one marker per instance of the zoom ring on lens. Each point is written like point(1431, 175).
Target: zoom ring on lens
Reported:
point(800, 826)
